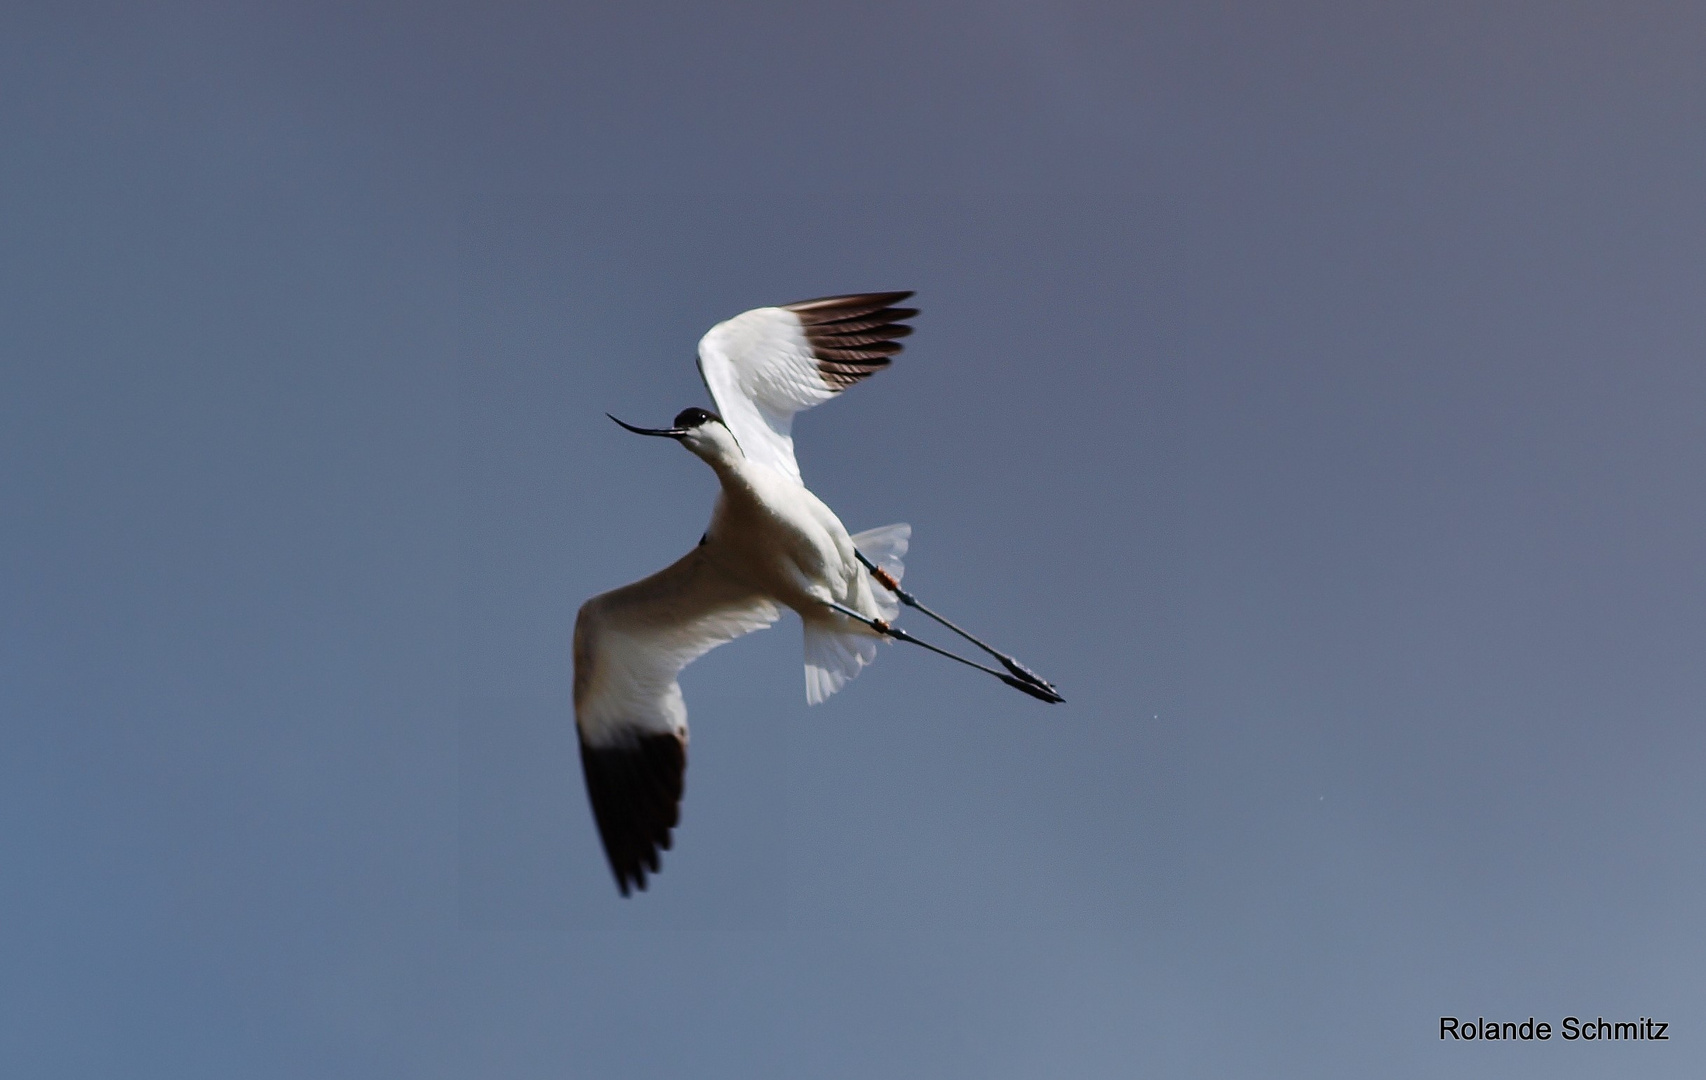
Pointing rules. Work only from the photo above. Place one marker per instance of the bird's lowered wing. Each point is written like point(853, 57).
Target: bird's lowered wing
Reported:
point(767, 364)
point(630, 644)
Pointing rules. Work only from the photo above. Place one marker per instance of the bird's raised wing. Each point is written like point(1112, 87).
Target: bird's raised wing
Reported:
point(767, 364)
point(630, 644)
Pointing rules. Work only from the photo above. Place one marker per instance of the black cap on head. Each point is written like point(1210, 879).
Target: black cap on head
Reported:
point(692, 418)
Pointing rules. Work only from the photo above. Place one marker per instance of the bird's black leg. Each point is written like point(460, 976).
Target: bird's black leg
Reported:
point(1041, 687)
point(1041, 691)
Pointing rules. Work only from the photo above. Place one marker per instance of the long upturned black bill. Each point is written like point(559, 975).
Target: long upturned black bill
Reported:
point(670, 433)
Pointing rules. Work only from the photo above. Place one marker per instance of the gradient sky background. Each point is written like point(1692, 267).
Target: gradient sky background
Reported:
point(1314, 391)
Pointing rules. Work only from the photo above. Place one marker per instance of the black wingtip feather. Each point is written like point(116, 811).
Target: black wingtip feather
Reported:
point(824, 308)
point(852, 336)
point(635, 789)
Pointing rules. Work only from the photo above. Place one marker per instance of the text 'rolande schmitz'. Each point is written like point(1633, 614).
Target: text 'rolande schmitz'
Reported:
point(1570, 1029)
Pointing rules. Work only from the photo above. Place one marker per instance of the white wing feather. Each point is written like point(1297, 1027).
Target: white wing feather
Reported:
point(631, 644)
point(760, 372)
point(767, 364)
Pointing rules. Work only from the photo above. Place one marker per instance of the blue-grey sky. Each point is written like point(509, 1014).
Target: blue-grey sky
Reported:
point(1313, 391)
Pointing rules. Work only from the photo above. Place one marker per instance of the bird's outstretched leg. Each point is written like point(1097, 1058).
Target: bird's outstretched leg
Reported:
point(1039, 686)
point(1036, 688)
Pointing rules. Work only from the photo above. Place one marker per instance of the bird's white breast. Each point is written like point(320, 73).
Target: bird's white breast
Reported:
point(769, 530)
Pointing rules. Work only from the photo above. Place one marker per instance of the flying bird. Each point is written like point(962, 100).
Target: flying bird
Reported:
point(771, 545)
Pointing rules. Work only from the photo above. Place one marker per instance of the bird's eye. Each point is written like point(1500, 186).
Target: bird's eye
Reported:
point(691, 418)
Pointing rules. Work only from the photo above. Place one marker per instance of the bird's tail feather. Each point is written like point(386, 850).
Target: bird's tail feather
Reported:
point(837, 647)
point(886, 546)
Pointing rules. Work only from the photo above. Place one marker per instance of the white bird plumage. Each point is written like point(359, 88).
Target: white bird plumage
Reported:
point(771, 544)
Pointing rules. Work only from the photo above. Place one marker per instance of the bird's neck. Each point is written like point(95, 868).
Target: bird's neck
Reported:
point(730, 465)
